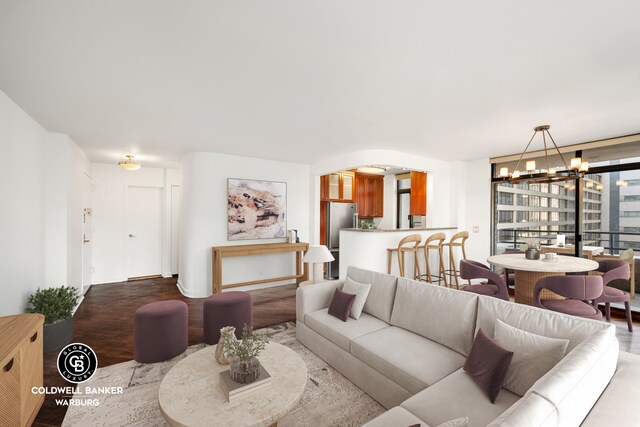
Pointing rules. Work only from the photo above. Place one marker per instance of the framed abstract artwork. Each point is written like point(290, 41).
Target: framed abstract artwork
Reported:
point(256, 209)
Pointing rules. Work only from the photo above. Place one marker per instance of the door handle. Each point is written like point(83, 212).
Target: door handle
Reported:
point(131, 235)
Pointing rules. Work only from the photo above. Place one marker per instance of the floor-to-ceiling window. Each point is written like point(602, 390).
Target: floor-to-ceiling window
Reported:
point(601, 210)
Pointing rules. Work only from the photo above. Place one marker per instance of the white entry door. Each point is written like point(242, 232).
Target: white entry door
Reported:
point(143, 230)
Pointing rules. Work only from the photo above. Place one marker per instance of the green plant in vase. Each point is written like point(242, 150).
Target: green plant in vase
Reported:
point(56, 304)
point(243, 354)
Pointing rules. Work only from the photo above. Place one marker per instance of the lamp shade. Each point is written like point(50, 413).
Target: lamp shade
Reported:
point(317, 253)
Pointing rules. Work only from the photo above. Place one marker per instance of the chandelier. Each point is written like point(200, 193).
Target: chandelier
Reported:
point(575, 169)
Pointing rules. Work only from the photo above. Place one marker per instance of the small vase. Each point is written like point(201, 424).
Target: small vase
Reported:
point(226, 333)
point(245, 371)
point(532, 253)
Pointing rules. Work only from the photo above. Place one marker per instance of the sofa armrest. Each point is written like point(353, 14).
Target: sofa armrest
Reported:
point(315, 297)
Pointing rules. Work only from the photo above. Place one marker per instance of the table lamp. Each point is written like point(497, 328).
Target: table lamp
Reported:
point(317, 255)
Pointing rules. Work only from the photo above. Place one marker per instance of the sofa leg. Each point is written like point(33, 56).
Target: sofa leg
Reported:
point(627, 308)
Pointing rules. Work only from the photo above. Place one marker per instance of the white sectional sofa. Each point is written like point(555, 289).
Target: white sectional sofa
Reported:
point(411, 341)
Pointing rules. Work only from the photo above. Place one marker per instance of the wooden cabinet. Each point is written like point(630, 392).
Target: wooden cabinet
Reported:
point(418, 193)
point(337, 187)
point(369, 195)
point(21, 365)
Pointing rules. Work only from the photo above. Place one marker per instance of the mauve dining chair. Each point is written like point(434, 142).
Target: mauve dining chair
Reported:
point(614, 269)
point(576, 289)
point(495, 287)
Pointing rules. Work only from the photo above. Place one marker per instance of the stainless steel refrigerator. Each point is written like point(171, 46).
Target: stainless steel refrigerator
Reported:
point(339, 215)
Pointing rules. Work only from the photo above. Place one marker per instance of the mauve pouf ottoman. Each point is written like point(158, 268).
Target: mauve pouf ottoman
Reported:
point(226, 309)
point(160, 331)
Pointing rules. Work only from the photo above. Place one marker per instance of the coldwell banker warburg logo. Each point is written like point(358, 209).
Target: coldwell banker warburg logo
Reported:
point(77, 362)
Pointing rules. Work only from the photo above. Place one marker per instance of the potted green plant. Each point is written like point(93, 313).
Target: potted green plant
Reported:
point(243, 354)
point(56, 304)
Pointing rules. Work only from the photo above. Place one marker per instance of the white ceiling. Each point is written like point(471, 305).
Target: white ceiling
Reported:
point(304, 80)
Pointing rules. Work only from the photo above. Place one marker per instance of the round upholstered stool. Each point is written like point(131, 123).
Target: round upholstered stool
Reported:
point(226, 309)
point(160, 331)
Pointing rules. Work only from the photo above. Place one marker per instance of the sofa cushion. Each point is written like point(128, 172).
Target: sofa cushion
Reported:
point(408, 359)
point(383, 289)
point(530, 411)
point(457, 396)
point(535, 320)
point(446, 316)
point(342, 333)
point(396, 416)
point(487, 365)
point(533, 355)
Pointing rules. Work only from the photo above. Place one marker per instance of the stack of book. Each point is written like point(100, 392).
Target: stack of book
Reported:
point(234, 390)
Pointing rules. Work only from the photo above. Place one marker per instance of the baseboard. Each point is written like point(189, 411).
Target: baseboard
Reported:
point(109, 279)
point(186, 293)
point(77, 305)
point(167, 275)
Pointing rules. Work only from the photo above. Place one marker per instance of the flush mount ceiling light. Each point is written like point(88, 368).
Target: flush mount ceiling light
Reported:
point(129, 164)
point(576, 169)
point(372, 169)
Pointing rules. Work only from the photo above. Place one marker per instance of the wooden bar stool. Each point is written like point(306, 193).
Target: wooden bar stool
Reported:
point(407, 245)
point(435, 242)
point(456, 241)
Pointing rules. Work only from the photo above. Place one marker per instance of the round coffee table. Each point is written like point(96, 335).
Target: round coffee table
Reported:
point(190, 394)
point(529, 271)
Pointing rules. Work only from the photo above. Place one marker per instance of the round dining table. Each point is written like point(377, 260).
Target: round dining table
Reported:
point(528, 272)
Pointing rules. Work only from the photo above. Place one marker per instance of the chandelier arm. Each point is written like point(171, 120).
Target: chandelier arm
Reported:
point(546, 155)
point(525, 150)
point(558, 150)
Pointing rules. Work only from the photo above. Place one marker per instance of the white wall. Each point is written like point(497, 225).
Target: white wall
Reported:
point(110, 182)
point(473, 180)
point(36, 191)
point(204, 218)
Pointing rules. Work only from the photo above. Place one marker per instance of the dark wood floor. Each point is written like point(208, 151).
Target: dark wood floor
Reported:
point(104, 321)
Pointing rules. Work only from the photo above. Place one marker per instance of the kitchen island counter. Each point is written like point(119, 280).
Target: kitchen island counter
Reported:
point(392, 230)
point(367, 248)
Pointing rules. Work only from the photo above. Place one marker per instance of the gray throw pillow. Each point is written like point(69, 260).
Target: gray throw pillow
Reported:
point(533, 355)
point(458, 422)
point(361, 291)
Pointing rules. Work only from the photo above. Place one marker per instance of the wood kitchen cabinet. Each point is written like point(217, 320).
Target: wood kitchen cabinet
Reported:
point(369, 195)
point(337, 187)
point(418, 193)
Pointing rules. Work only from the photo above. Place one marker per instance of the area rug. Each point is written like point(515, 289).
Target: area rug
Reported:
point(329, 398)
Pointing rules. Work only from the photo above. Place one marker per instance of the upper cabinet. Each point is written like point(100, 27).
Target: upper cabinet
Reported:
point(337, 187)
point(369, 195)
point(418, 193)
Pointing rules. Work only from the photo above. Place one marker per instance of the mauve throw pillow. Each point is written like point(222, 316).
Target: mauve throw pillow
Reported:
point(341, 304)
point(488, 364)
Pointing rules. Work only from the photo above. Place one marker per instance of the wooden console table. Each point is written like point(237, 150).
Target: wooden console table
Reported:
point(21, 365)
point(219, 252)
